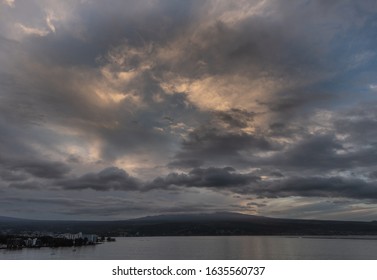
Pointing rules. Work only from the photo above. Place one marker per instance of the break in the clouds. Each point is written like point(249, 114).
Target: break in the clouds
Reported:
point(129, 108)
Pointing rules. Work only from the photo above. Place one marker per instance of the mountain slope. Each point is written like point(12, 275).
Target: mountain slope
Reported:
point(194, 224)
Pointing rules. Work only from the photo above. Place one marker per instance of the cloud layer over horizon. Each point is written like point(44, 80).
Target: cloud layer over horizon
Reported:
point(129, 108)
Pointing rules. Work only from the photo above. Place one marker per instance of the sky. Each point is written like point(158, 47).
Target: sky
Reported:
point(120, 109)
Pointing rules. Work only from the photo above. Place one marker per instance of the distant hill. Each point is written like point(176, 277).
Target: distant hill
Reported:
point(223, 223)
point(10, 219)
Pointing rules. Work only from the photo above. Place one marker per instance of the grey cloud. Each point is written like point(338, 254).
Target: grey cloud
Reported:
point(276, 174)
point(228, 179)
point(42, 169)
point(124, 127)
point(288, 104)
point(322, 153)
point(212, 177)
point(36, 167)
point(11, 176)
point(136, 128)
point(53, 106)
point(96, 27)
point(33, 185)
point(358, 124)
point(236, 118)
point(111, 178)
point(319, 187)
point(260, 205)
point(277, 128)
point(373, 175)
point(281, 47)
point(317, 151)
point(251, 46)
point(214, 145)
point(186, 163)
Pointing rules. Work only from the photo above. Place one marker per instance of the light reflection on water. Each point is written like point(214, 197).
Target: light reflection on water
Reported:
point(208, 247)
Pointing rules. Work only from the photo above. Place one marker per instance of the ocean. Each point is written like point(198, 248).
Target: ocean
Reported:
point(210, 248)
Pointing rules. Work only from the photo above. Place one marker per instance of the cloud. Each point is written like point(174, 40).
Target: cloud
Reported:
point(157, 98)
point(12, 176)
point(358, 123)
point(32, 30)
point(332, 187)
point(236, 118)
point(373, 175)
point(219, 179)
point(341, 141)
point(314, 151)
point(42, 169)
point(17, 168)
point(111, 178)
point(185, 163)
point(32, 185)
point(229, 136)
point(10, 3)
point(212, 177)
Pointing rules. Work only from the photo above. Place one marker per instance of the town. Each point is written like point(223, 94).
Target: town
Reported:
point(38, 240)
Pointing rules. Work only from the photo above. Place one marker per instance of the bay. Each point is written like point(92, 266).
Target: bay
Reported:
point(209, 247)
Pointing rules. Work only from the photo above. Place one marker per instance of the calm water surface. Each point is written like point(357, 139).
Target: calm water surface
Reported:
point(208, 247)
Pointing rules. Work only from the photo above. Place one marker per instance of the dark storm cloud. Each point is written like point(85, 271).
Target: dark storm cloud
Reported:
point(186, 163)
point(373, 175)
point(277, 128)
point(212, 177)
point(219, 179)
point(111, 178)
point(141, 129)
point(287, 104)
point(282, 47)
point(96, 27)
point(74, 103)
point(18, 167)
point(276, 174)
point(319, 187)
point(223, 179)
point(236, 118)
point(316, 151)
point(349, 144)
point(323, 153)
point(26, 185)
point(212, 145)
point(285, 89)
point(42, 169)
point(220, 140)
point(44, 89)
point(11, 176)
point(122, 129)
point(359, 124)
point(252, 46)
point(244, 46)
